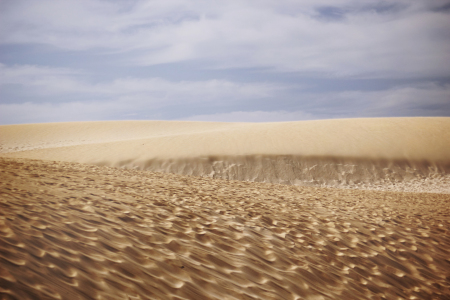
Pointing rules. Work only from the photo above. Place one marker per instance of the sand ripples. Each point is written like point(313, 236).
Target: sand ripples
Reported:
point(70, 231)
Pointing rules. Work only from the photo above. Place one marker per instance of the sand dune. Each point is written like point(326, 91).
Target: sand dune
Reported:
point(386, 138)
point(406, 154)
point(73, 231)
point(95, 231)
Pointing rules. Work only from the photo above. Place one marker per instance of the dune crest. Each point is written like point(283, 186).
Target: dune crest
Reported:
point(406, 154)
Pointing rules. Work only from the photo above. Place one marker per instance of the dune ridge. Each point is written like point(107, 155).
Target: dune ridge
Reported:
point(378, 138)
point(403, 154)
point(394, 175)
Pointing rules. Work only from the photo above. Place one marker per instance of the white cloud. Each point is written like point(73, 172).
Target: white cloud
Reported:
point(150, 98)
point(62, 82)
point(254, 116)
point(296, 42)
point(372, 38)
point(60, 112)
point(410, 100)
point(422, 99)
point(415, 100)
point(62, 94)
point(41, 79)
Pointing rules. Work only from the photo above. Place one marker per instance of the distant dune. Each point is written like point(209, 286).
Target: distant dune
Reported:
point(388, 153)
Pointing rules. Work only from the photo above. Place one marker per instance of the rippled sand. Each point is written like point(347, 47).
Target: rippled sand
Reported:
point(73, 231)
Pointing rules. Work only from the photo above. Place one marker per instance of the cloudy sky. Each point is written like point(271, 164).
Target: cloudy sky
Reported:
point(234, 60)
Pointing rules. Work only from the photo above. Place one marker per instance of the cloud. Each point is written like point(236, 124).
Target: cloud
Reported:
point(18, 113)
point(41, 79)
point(41, 94)
point(424, 99)
point(232, 60)
point(46, 81)
point(416, 100)
point(209, 100)
point(344, 38)
point(254, 116)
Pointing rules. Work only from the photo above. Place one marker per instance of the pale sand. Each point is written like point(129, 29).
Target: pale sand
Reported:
point(81, 231)
point(73, 231)
point(403, 154)
point(384, 138)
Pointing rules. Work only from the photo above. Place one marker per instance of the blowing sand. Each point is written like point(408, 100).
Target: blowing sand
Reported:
point(70, 230)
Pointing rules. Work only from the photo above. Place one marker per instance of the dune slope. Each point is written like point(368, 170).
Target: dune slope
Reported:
point(73, 231)
point(395, 153)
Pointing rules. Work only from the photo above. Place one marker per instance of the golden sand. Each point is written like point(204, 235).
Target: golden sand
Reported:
point(113, 142)
point(400, 154)
point(74, 231)
point(214, 222)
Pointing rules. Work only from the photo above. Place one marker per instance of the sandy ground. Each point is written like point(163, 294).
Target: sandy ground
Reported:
point(334, 209)
point(138, 141)
point(400, 154)
point(74, 231)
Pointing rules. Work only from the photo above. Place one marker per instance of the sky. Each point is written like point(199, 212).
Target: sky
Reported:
point(244, 60)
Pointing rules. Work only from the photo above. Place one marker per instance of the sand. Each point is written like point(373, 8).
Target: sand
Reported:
point(403, 154)
point(83, 215)
point(73, 231)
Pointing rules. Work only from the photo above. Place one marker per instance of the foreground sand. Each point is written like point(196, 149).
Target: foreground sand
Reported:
point(73, 231)
point(403, 154)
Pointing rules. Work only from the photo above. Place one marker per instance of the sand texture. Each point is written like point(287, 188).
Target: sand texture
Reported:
point(398, 154)
point(74, 231)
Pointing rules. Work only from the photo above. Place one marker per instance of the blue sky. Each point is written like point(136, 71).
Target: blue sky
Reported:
point(246, 60)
